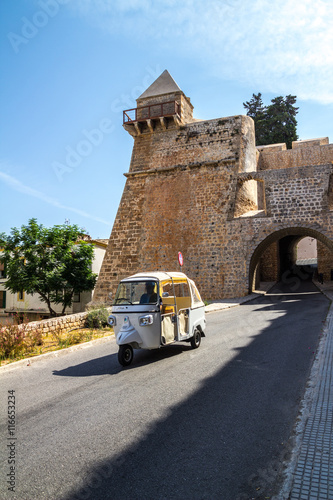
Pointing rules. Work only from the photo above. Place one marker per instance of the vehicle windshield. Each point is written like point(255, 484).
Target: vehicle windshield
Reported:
point(136, 292)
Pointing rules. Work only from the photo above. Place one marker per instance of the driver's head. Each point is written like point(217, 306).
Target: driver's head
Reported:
point(150, 285)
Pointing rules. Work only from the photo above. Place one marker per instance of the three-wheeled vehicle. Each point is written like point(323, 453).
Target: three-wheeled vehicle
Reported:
point(155, 309)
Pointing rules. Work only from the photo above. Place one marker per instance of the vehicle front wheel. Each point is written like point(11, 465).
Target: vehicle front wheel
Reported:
point(196, 339)
point(125, 354)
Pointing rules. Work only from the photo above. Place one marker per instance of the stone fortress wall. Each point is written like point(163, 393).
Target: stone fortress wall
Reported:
point(235, 211)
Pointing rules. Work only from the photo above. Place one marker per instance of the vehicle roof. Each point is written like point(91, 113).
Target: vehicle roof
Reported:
point(159, 275)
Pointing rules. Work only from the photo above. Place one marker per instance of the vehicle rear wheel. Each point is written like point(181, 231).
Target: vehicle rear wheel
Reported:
point(125, 354)
point(196, 339)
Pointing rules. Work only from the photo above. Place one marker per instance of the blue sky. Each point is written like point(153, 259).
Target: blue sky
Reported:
point(70, 67)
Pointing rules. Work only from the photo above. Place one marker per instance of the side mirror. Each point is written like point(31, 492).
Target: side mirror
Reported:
point(165, 295)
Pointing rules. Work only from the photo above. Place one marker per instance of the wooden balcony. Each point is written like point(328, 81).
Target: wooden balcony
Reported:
point(132, 118)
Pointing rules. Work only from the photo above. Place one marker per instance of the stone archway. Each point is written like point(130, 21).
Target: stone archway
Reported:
point(295, 233)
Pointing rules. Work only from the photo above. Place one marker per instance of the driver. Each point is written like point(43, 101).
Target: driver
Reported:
point(150, 297)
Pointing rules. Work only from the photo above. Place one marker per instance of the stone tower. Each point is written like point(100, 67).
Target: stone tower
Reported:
point(179, 187)
point(202, 187)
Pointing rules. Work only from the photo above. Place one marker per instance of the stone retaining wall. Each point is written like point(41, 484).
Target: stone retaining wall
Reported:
point(60, 324)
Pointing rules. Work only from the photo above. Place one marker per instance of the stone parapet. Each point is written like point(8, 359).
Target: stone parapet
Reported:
point(309, 143)
point(303, 153)
point(225, 139)
point(272, 148)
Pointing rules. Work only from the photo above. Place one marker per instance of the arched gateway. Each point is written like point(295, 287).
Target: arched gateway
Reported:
point(203, 188)
point(271, 258)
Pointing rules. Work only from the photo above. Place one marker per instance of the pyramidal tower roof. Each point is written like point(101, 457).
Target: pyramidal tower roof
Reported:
point(162, 85)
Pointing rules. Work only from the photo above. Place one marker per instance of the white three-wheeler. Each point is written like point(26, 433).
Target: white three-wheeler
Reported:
point(155, 309)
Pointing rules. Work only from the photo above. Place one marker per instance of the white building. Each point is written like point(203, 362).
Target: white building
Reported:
point(307, 250)
point(16, 306)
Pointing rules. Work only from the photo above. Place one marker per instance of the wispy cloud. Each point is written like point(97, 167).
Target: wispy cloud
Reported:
point(278, 46)
point(18, 186)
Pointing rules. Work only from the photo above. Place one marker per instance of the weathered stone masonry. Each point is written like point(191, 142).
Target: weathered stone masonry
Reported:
point(201, 187)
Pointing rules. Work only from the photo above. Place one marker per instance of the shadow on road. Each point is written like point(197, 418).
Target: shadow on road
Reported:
point(109, 365)
point(216, 444)
point(106, 365)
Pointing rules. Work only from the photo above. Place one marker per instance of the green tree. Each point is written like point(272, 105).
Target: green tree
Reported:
point(281, 120)
point(257, 111)
point(51, 262)
point(274, 123)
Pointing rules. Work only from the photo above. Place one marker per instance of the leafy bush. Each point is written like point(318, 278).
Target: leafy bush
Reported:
point(11, 341)
point(15, 340)
point(97, 318)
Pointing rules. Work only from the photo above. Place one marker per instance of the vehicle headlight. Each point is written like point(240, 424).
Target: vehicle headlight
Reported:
point(112, 320)
point(146, 320)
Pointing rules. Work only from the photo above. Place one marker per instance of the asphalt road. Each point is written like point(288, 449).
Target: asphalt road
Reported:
point(211, 423)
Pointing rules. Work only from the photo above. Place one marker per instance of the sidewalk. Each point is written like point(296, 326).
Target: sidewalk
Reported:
point(227, 303)
point(310, 472)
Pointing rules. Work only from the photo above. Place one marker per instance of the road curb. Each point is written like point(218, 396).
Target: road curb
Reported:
point(311, 429)
point(326, 290)
point(55, 354)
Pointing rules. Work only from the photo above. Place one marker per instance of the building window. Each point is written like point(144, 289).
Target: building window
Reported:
point(20, 296)
point(2, 299)
point(76, 297)
point(2, 271)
